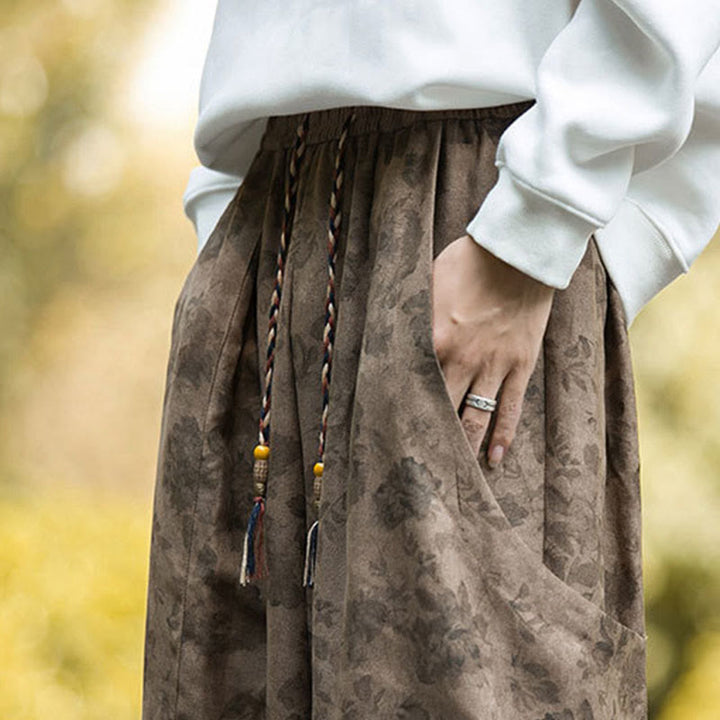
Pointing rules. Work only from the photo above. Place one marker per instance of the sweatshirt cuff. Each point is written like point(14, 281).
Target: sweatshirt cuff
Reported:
point(531, 231)
point(638, 256)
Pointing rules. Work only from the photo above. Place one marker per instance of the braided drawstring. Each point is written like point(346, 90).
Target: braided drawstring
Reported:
point(334, 223)
point(253, 561)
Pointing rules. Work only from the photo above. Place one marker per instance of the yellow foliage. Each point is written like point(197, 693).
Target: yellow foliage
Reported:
point(697, 695)
point(73, 567)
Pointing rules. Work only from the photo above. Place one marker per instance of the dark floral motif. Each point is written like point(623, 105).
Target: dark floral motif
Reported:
point(443, 589)
point(406, 494)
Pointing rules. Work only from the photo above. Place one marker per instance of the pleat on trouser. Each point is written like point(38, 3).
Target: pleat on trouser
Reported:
point(443, 588)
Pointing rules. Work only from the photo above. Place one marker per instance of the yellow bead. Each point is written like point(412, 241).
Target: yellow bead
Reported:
point(261, 452)
point(318, 469)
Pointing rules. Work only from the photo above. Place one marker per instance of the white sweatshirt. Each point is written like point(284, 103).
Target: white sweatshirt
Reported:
point(623, 140)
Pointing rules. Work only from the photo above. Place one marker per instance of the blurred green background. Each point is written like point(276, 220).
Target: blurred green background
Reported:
point(97, 107)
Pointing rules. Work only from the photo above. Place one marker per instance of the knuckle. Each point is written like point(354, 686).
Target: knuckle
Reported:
point(493, 357)
point(469, 364)
point(480, 365)
point(472, 426)
point(504, 428)
point(525, 360)
point(507, 421)
point(503, 436)
point(511, 409)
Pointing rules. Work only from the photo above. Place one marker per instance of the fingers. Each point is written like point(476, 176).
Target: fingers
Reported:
point(456, 380)
point(476, 422)
point(507, 414)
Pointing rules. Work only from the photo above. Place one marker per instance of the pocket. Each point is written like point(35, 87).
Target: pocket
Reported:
point(252, 189)
point(213, 302)
point(541, 610)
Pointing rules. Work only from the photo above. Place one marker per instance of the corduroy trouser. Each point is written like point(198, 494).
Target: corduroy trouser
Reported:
point(443, 589)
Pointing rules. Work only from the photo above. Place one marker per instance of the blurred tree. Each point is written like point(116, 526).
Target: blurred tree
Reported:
point(88, 275)
point(685, 609)
point(80, 205)
point(61, 160)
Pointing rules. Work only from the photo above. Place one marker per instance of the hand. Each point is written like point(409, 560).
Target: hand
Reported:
point(489, 319)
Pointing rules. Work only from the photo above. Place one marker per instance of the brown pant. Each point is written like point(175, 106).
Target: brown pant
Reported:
point(444, 589)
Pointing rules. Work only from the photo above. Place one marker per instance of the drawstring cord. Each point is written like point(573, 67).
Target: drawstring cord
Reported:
point(253, 565)
point(253, 560)
point(334, 223)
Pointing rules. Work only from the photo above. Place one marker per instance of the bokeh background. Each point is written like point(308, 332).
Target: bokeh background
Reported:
point(97, 107)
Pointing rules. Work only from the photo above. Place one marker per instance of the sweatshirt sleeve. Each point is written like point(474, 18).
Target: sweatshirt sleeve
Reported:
point(615, 97)
point(670, 212)
point(209, 191)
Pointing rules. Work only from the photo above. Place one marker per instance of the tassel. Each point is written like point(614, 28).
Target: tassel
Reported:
point(312, 536)
point(252, 565)
point(328, 340)
point(253, 542)
point(310, 555)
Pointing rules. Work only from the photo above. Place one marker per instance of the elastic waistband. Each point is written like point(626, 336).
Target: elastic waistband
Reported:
point(324, 125)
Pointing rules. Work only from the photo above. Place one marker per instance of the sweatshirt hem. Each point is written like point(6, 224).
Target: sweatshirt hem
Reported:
point(638, 256)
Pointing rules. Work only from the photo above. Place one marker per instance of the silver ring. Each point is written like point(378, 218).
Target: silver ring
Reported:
point(480, 403)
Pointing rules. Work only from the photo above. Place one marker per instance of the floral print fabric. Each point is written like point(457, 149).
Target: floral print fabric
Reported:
point(444, 589)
